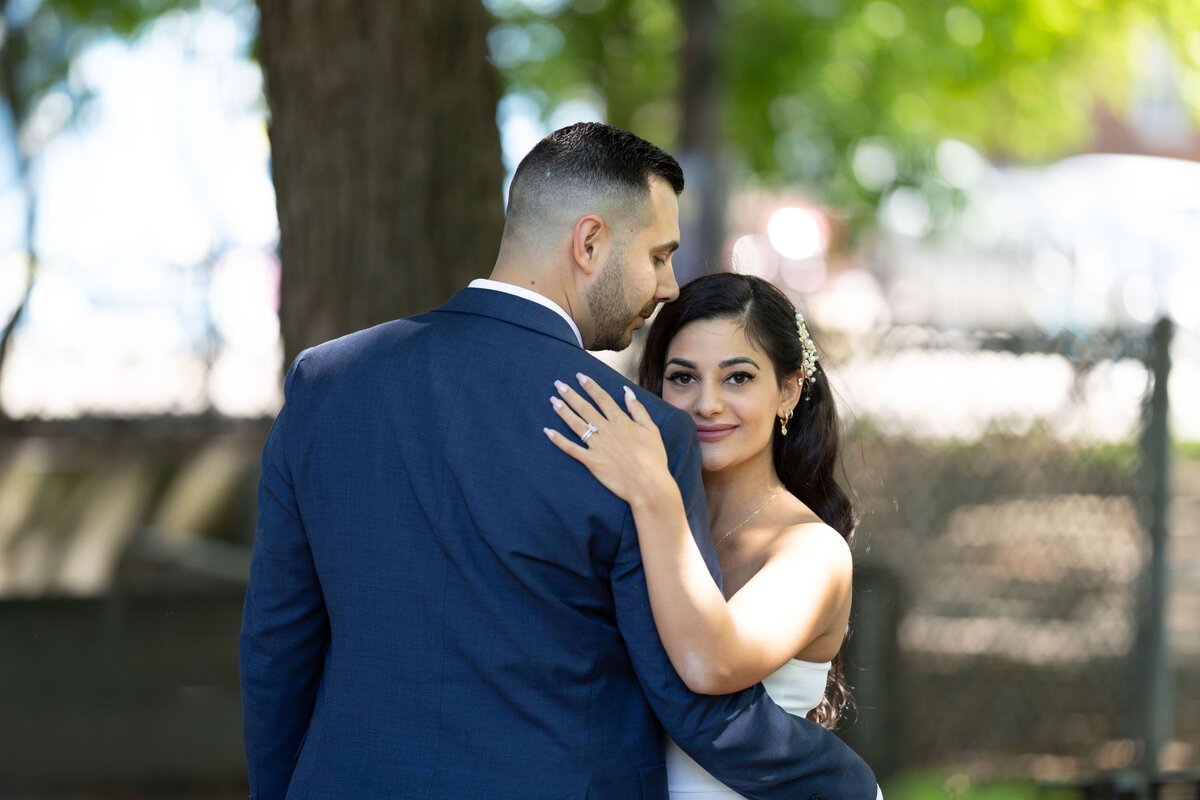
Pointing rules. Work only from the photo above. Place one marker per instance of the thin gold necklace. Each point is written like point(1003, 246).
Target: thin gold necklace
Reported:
point(742, 524)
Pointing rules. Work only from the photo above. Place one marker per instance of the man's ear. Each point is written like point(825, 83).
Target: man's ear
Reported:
point(585, 242)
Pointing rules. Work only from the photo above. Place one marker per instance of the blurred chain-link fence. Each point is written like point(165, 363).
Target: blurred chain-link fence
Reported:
point(1003, 614)
point(1002, 596)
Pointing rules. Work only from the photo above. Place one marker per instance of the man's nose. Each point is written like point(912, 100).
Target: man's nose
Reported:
point(668, 287)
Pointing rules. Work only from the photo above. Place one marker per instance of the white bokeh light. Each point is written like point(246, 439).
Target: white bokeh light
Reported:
point(874, 165)
point(961, 165)
point(906, 211)
point(1141, 298)
point(1052, 270)
point(797, 233)
point(850, 301)
point(753, 255)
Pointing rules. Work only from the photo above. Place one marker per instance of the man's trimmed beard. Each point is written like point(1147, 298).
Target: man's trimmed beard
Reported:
point(606, 304)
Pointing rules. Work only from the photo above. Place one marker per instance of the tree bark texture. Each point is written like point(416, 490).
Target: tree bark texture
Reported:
point(386, 158)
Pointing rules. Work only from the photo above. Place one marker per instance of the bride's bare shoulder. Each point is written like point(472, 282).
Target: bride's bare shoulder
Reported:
point(804, 535)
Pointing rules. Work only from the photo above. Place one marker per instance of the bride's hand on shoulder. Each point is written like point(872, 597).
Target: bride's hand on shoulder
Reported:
point(623, 450)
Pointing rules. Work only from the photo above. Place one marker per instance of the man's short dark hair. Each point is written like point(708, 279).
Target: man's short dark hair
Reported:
point(582, 162)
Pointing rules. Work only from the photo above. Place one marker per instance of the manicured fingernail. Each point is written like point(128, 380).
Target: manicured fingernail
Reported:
point(582, 378)
point(554, 401)
point(562, 387)
point(549, 433)
point(629, 393)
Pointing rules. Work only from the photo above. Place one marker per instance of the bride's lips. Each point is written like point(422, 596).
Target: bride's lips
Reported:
point(711, 433)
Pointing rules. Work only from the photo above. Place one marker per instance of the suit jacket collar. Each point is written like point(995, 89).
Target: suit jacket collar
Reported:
point(511, 309)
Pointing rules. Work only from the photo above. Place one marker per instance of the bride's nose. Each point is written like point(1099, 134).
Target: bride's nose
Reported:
point(709, 401)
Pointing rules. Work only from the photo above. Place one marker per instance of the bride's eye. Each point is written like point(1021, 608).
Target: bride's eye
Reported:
point(680, 378)
point(740, 378)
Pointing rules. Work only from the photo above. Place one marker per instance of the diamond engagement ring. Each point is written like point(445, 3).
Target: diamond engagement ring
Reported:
point(587, 434)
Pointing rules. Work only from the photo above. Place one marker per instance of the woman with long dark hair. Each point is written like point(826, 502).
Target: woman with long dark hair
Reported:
point(735, 354)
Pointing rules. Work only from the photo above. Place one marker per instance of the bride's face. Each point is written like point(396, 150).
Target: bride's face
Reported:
point(730, 389)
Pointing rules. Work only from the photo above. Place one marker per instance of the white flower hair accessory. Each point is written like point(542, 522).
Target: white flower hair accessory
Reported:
point(809, 361)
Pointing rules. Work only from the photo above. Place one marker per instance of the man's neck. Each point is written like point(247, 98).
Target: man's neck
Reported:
point(530, 291)
point(547, 287)
point(542, 287)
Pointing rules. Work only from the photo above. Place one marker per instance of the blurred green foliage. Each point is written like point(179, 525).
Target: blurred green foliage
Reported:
point(41, 39)
point(846, 97)
point(938, 786)
point(1189, 451)
point(809, 84)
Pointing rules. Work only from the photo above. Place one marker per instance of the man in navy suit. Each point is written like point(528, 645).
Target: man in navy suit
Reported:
point(441, 604)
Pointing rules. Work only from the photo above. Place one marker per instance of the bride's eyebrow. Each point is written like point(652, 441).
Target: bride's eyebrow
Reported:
point(729, 362)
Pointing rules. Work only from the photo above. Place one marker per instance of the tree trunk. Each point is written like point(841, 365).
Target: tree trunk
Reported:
point(385, 154)
point(703, 211)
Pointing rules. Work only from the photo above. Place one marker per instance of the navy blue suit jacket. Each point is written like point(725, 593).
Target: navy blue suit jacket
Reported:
point(442, 605)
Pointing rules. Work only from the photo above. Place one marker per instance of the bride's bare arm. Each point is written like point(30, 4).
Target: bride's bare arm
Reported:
point(715, 646)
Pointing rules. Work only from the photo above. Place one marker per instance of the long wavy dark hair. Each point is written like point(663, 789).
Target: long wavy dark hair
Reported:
point(806, 459)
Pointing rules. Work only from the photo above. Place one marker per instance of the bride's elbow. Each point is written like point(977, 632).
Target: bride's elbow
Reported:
point(713, 679)
point(707, 685)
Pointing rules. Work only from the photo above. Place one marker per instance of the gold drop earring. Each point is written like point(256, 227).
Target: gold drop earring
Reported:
point(783, 421)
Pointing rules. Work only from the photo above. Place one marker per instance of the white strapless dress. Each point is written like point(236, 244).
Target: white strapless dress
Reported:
point(797, 687)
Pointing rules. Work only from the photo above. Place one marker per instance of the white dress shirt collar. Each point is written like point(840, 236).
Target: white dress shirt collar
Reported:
point(520, 291)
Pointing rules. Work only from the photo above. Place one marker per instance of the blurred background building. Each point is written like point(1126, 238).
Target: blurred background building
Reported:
point(990, 213)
